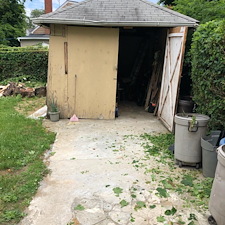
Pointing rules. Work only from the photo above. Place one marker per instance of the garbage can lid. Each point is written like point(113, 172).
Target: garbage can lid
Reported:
point(184, 118)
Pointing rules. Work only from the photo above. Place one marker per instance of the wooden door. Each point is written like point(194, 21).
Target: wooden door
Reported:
point(92, 68)
point(173, 63)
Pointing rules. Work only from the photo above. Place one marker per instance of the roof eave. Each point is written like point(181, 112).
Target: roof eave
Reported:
point(33, 38)
point(45, 21)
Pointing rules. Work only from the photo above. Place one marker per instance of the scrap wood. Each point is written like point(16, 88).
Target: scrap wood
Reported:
point(9, 89)
point(155, 81)
point(19, 88)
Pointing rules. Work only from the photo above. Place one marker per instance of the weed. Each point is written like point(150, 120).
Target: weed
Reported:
point(27, 106)
point(79, 207)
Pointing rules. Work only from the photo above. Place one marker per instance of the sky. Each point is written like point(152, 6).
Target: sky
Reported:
point(39, 4)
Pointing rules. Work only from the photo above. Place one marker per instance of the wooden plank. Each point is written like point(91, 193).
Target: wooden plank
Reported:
point(152, 94)
point(66, 57)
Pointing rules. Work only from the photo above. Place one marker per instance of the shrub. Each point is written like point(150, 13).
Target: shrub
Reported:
point(32, 61)
point(208, 71)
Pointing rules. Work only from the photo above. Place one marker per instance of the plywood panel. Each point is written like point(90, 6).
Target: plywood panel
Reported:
point(57, 79)
point(93, 55)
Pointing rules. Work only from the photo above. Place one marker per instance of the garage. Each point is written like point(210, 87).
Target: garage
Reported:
point(103, 53)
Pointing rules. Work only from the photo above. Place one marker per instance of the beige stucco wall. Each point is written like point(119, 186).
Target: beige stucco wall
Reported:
point(88, 87)
point(57, 79)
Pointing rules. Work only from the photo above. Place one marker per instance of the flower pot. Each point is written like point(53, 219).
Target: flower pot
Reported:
point(54, 116)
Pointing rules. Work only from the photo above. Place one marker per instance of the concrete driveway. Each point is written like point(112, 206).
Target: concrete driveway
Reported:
point(93, 179)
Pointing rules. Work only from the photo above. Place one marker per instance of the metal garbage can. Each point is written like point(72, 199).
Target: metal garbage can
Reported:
point(189, 128)
point(217, 202)
point(209, 145)
point(185, 105)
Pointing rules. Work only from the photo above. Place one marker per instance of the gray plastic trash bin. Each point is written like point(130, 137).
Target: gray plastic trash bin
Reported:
point(217, 202)
point(189, 128)
point(209, 154)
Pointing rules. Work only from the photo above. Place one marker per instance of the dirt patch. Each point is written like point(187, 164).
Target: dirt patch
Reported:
point(30, 105)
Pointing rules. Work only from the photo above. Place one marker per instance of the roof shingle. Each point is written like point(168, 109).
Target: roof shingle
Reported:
point(117, 13)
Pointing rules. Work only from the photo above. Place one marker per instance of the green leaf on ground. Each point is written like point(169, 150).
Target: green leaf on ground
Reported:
point(162, 192)
point(180, 222)
point(152, 206)
point(187, 180)
point(170, 212)
point(139, 205)
point(192, 217)
point(161, 219)
point(132, 219)
point(79, 207)
point(133, 195)
point(123, 203)
point(117, 191)
point(191, 223)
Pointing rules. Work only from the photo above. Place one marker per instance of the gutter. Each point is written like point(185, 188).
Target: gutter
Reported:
point(32, 38)
point(46, 21)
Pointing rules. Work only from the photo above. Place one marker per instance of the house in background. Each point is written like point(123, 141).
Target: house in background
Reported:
point(37, 35)
point(41, 34)
point(101, 49)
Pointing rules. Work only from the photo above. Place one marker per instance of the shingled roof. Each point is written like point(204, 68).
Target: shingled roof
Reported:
point(137, 13)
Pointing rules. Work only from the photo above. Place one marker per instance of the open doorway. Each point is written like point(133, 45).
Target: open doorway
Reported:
point(140, 65)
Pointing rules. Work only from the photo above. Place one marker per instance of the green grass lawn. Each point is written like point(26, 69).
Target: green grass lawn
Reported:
point(22, 144)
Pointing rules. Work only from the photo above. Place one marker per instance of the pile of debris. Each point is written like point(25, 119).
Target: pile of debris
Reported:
point(20, 88)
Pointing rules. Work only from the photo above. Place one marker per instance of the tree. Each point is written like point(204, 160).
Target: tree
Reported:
point(12, 21)
point(36, 13)
point(166, 2)
point(202, 10)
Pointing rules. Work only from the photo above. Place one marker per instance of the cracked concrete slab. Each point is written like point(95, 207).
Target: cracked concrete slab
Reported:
point(91, 158)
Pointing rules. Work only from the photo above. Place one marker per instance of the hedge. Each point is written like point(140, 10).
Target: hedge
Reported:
point(32, 61)
point(208, 71)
